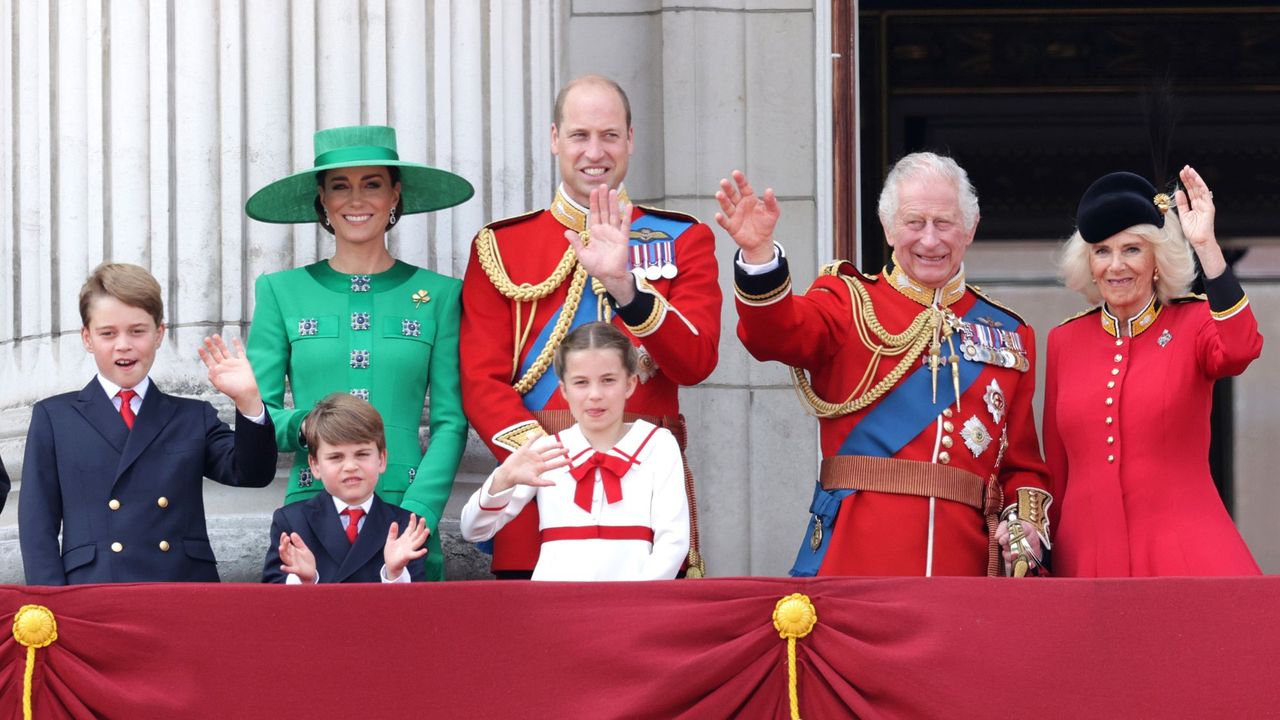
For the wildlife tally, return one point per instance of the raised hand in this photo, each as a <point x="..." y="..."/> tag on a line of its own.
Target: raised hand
<point x="526" y="465"/>
<point x="400" y="550"/>
<point x="296" y="558"/>
<point x="231" y="374"/>
<point x="748" y="218"/>
<point x="605" y="253"/>
<point x="1196" y="214"/>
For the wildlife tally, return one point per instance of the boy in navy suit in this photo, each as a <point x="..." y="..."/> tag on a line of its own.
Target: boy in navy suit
<point x="335" y="536"/>
<point x="118" y="467"/>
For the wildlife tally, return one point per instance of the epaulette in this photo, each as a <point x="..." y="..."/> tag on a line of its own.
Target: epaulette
<point x="846" y="267"/>
<point x="978" y="291"/>
<point x="671" y="214"/>
<point x="504" y="222"/>
<point x="1190" y="298"/>
<point x="1082" y="313"/>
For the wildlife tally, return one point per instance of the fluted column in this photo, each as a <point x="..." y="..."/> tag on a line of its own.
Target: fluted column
<point x="134" y="130"/>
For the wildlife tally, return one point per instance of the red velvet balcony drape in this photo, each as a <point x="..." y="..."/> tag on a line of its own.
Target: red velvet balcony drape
<point x="894" y="648"/>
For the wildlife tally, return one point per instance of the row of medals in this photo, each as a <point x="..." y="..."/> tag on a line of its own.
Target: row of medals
<point x="654" y="260"/>
<point x="974" y="349"/>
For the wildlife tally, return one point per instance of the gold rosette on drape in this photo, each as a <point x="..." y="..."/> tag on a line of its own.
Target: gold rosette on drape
<point x="33" y="627"/>
<point x="794" y="617"/>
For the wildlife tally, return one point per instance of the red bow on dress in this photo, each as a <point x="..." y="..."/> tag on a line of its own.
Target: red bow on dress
<point x="611" y="467"/>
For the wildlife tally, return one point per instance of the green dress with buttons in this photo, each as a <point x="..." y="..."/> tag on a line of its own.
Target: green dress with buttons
<point x="387" y="337"/>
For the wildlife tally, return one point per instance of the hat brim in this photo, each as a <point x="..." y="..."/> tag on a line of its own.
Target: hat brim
<point x="422" y="189"/>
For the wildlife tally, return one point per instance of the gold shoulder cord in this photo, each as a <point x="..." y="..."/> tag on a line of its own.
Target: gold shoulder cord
<point x="487" y="253"/>
<point x="910" y="344"/>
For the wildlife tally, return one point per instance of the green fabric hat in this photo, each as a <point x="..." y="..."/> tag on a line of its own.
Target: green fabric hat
<point x="422" y="188"/>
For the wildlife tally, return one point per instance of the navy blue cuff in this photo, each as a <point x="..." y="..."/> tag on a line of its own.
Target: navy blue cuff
<point x="637" y="311"/>
<point x="1224" y="292"/>
<point x="763" y="284"/>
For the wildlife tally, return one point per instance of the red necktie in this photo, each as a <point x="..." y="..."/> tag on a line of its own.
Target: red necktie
<point x="612" y="468"/>
<point x="126" y="407"/>
<point x="353" y="526"/>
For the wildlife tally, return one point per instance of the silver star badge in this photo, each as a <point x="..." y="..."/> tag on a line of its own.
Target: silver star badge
<point x="975" y="435"/>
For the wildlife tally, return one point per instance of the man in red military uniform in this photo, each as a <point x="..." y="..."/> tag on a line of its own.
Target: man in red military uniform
<point x="922" y="387"/>
<point x="531" y="279"/>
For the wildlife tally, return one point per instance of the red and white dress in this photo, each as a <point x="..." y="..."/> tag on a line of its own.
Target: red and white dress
<point x="635" y="524"/>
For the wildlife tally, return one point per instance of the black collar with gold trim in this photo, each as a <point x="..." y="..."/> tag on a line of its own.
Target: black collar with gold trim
<point x="943" y="297"/>
<point x="571" y="214"/>
<point x="1136" y="325"/>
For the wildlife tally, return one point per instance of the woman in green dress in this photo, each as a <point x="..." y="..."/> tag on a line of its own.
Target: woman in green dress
<point x="363" y="321"/>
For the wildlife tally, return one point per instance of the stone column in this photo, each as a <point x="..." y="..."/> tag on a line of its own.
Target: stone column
<point x="134" y="131"/>
<point x="716" y="86"/>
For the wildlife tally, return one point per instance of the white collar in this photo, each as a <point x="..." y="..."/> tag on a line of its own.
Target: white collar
<point x="113" y="389"/>
<point x="341" y="505"/>
<point x="578" y="448"/>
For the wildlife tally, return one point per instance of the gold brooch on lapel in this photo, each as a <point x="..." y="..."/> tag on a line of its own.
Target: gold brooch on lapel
<point x="420" y="297"/>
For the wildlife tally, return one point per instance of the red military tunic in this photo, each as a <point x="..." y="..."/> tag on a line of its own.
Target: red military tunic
<point x="1126" y="428"/>
<point x="512" y="296"/>
<point x="888" y="533"/>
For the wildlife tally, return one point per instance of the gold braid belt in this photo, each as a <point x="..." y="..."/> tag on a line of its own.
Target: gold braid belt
<point x="487" y="253"/>
<point x="910" y="344"/>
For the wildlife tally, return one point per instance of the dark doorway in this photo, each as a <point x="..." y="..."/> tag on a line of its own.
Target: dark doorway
<point x="1036" y="104"/>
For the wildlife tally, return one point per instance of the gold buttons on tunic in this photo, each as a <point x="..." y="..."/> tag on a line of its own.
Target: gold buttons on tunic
<point x="1111" y="401"/>
<point x="947" y="426"/>
<point x="944" y="457"/>
<point x="114" y="504"/>
<point x="1115" y="371"/>
<point x="1110" y="420"/>
<point x="1111" y="384"/>
<point x="116" y="547"/>
<point x="947" y="441"/>
<point x="1111" y="458"/>
<point x="946" y="412"/>
<point x="164" y="546"/>
<point x="162" y="501"/>
<point x="1119" y="357"/>
<point x="1119" y="343"/>
<point x="1111" y="440"/>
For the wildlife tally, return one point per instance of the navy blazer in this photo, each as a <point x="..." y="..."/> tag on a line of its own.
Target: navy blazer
<point x="129" y="503"/>
<point x="337" y="560"/>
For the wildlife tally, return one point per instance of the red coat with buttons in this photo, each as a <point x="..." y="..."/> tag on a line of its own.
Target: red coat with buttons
<point x="878" y="533"/>
<point x="1126" y="425"/>
<point x="683" y="343"/>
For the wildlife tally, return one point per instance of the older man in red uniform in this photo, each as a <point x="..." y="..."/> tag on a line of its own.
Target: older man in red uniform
<point x="531" y="279"/>
<point x="922" y="387"/>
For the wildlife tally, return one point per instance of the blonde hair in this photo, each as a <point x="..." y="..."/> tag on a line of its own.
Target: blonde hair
<point x="343" y="419"/>
<point x="130" y="284"/>
<point x="1174" y="261"/>
<point x="597" y="335"/>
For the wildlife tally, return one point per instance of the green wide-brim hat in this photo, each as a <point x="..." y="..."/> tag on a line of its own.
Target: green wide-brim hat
<point x="422" y="188"/>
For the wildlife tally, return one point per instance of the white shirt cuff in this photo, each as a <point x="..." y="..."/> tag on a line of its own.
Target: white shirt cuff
<point x="402" y="579"/>
<point x="762" y="268"/>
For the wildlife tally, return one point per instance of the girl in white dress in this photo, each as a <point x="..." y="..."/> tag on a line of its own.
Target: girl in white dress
<point x="611" y="497"/>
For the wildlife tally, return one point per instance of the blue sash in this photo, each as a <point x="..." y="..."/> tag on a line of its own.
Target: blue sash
<point x="537" y="397"/>
<point x="897" y="419"/>
<point x="542" y="391"/>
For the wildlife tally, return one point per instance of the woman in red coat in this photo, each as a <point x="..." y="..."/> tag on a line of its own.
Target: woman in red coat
<point x="1129" y="386"/>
